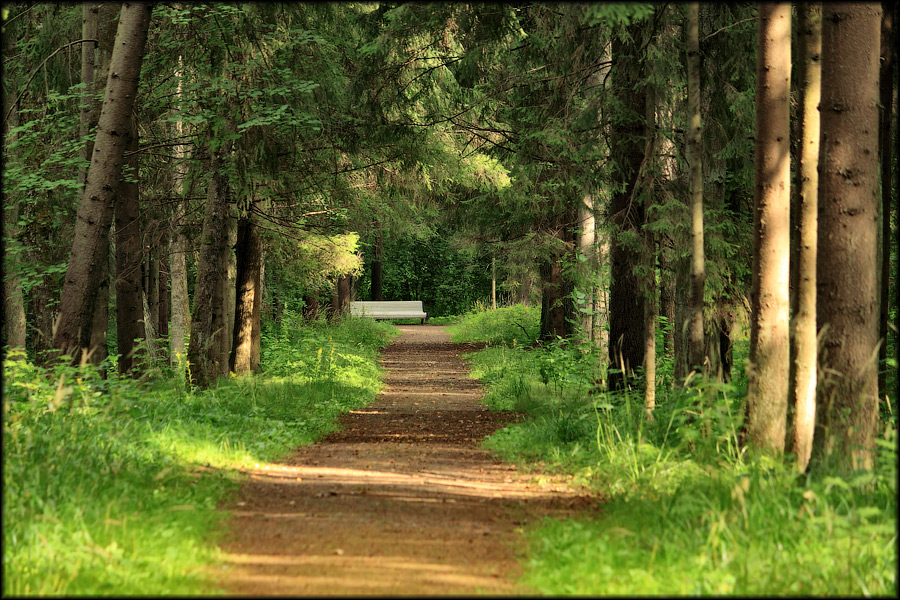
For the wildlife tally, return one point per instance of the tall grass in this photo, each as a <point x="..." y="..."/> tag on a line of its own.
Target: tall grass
<point x="112" y="486"/>
<point x="687" y="510"/>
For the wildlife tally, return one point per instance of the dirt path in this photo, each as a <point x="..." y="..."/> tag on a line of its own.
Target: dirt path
<point x="400" y="501"/>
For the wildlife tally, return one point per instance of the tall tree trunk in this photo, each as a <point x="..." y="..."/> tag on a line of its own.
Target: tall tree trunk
<point x="129" y="305"/>
<point x="178" y="249"/>
<point x="90" y="30"/>
<point x="651" y="311"/>
<point x="557" y="304"/>
<point x="14" y="323"/>
<point x="587" y="248"/>
<point x="95" y="210"/>
<point x="247" y="251"/>
<point x="229" y="293"/>
<point x="767" y="388"/>
<point x="162" y="323"/>
<point x="256" y="332"/>
<point x="846" y="277"/>
<point x="696" y="354"/>
<point x="803" y="349"/>
<point x="886" y="94"/>
<point x="204" y="348"/>
<point x="151" y="281"/>
<point x="629" y="134"/>
<point x="100" y="325"/>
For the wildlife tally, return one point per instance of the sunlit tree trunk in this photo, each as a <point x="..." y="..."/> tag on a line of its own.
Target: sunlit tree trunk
<point x="887" y="160"/>
<point x="178" y="248"/>
<point x="95" y="211"/>
<point x="256" y="332"/>
<point x="696" y="354"/>
<point x="248" y="252"/>
<point x="803" y="349"/>
<point x="14" y="323"/>
<point x="587" y="248"/>
<point x="767" y="388"/>
<point x="846" y="277"/>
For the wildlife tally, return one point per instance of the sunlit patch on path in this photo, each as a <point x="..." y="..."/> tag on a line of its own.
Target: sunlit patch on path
<point x="400" y="501"/>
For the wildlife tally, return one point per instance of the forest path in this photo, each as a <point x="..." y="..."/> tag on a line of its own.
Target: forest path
<point x="400" y="501"/>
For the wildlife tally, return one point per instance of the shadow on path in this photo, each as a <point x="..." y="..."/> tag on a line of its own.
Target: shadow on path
<point x="400" y="501"/>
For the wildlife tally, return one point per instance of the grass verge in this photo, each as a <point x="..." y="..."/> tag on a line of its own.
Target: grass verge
<point x="687" y="510"/>
<point x="108" y="488"/>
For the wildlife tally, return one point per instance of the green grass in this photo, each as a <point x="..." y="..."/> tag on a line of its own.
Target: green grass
<point x="106" y="489"/>
<point x="687" y="510"/>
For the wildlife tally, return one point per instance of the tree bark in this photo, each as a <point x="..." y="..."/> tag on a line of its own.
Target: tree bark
<point x="694" y="151"/>
<point x="886" y="93"/>
<point x="767" y="389"/>
<point x="14" y="323"/>
<point x="129" y="304"/>
<point x="247" y="251"/>
<point x="629" y="133"/>
<point x="256" y="333"/>
<point x="803" y="349"/>
<point x="95" y="210"/>
<point x="181" y="311"/>
<point x="587" y="240"/>
<point x="846" y="276"/>
<point x="204" y="348"/>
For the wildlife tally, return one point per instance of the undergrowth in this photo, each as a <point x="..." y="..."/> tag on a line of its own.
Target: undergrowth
<point x="687" y="510"/>
<point x="112" y="486"/>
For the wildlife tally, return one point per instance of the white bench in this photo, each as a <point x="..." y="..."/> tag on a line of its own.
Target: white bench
<point x="395" y="309"/>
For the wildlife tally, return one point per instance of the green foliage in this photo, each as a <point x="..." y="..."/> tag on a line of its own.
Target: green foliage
<point x="448" y="280"/>
<point x="515" y="325"/>
<point x="113" y="485"/>
<point x="686" y="511"/>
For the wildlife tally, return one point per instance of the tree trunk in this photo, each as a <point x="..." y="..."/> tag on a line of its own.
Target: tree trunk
<point x="14" y="323"/>
<point x="310" y="308"/>
<point x="587" y="248"/>
<point x="129" y="305"/>
<point x="95" y="210"/>
<point x="629" y="133"/>
<point x="178" y="244"/>
<point x="886" y="94"/>
<point x="803" y="349"/>
<point x="694" y="151"/>
<point x="204" y="348"/>
<point x="90" y="30"/>
<point x="229" y="293"/>
<point x="767" y="388"/>
<point x="651" y="311"/>
<point x="343" y="296"/>
<point x="100" y="325"/>
<point x="247" y="251"/>
<point x="256" y="332"/>
<point x="846" y="277"/>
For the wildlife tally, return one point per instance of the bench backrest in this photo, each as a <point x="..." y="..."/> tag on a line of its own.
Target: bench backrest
<point x="373" y="307"/>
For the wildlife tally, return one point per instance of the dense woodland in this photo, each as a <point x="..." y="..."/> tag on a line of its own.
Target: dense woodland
<point x="176" y="175"/>
<point x="699" y="200"/>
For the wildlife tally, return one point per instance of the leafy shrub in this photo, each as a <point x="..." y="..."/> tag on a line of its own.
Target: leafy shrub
<point x="513" y="325"/>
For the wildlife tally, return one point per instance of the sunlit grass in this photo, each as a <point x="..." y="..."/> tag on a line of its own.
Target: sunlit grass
<point x="687" y="511"/>
<point x="107" y="485"/>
